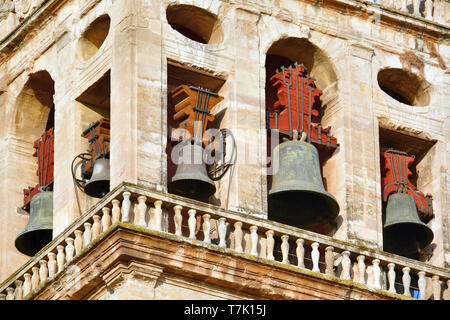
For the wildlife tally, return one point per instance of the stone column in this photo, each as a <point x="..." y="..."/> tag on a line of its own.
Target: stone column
<point x="244" y="118"/>
<point x="137" y="151"/>
<point x="361" y="150"/>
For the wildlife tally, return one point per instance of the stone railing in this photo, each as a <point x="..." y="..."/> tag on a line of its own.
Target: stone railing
<point x="432" y="10"/>
<point x="197" y="223"/>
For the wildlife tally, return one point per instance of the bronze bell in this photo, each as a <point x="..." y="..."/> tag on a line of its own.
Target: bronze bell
<point x="403" y="232"/>
<point x="98" y="184"/>
<point x="191" y="179"/>
<point x="38" y="232"/>
<point x="297" y="196"/>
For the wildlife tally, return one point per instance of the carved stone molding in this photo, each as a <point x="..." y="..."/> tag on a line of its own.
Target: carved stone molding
<point x="23" y="8"/>
<point x="6" y="7"/>
<point x="133" y="270"/>
<point x="129" y="256"/>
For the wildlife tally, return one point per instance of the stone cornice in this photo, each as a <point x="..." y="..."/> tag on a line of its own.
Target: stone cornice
<point x="128" y="251"/>
<point x="387" y="15"/>
<point x="41" y="13"/>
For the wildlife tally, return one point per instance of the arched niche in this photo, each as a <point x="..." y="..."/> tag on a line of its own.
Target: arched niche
<point x="404" y="86"/>
<point x="195" y="23"/>
<point x="32" y="120"/>
<point x="34" y="108"/>
<point x="284" y="53"/>
<point x="93" y="37"/>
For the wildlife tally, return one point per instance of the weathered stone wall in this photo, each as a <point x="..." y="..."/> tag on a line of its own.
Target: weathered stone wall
<point x="353" y="47"/>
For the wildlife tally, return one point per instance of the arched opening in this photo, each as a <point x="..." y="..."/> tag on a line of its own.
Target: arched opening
<point x="90" y="168"/>
<point x="195" y="23"/>
<point x="33" y="127"/>
<point x="407" y="206"/>
<point x="35" y="107"/>
<point x="94" y="37"/>
<point x="299" y="70"/>
<point x="404" y="86"/>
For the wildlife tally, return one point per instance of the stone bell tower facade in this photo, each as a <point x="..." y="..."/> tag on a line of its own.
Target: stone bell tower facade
<point x="97" y="98"/>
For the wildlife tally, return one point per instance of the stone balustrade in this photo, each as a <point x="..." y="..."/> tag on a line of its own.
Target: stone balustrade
<point x="233" y="233"/>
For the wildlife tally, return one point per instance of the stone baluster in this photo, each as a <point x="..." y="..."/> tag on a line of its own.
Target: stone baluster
<point x="270" y="243"/>
<point x="206" y="227"/>
<point x="238" y="236"/>
<point x="141" y="210"/>
<point x="329" y="261"/>
<point x="370" y="278"/>
<point x="391" y="278"/>
<point x="446" y="293"/>
<point x="436" y="287"/>
<point x="254" y="237"/>
<point x="18" y="292"/>
<point x="222" y="233"/>
<point x="35" y="278"/>
<point x="440" y="9"/>
<point x="315" y="256"/>
<point x="60" y="257"/>
<point x="43" y="270"/>
<point x="406" y="279"/>
<point x="52" y="264"/>
<point x="429" y="9"/>
<point x="396" y="4"/>
<point x="178" y="219"/>
<point x="78" y="243"/>
<point x="416" y="7"/>
<point x="9" y="293"/>
<point x="285" y="249"/>
<point x="429" y="288"/>
<point x="96" y="227"/>
<point x="404" y="4"/>
<point x="192" y="223"/>
<point x="26" y="284"/>
<point x="70" y="249"/>
<point x="346" y="264"/>
<point x="376" y="274"/>
<point x="300" y="251"/>
<point x="106" y="218"/>
<point x="126" y="205"/>
<point x="2" y="296"/>
<point x="158" y="215"/>
<point x="422" y="284"/>
<point x="87" y="235"/>
<point x="361" y="269"/>
<point x="115" y="212"/>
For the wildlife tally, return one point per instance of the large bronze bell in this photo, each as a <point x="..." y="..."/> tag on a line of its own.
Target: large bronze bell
<point x="191" y="179"/>
<point x="297" y="196"/>
<point x="38" y="232"/>
<point x="98" y="184"/>
<point x="403" y="232"/>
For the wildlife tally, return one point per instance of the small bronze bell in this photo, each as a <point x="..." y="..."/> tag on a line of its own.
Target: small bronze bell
<point x="38" y="232"/>
<point x="297" y="196"/>
<point x="98" y="184"/>
<point x="403" y="232"/>
<point x="191" y="179"/>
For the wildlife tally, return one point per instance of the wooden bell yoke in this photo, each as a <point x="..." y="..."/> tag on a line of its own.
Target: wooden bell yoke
<point x="297" y="110"/>
<point x="395" y="175"/>
<point x="98" y="134"/>
<point x="193" y="107"/>
<point x="45" y="154"/>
